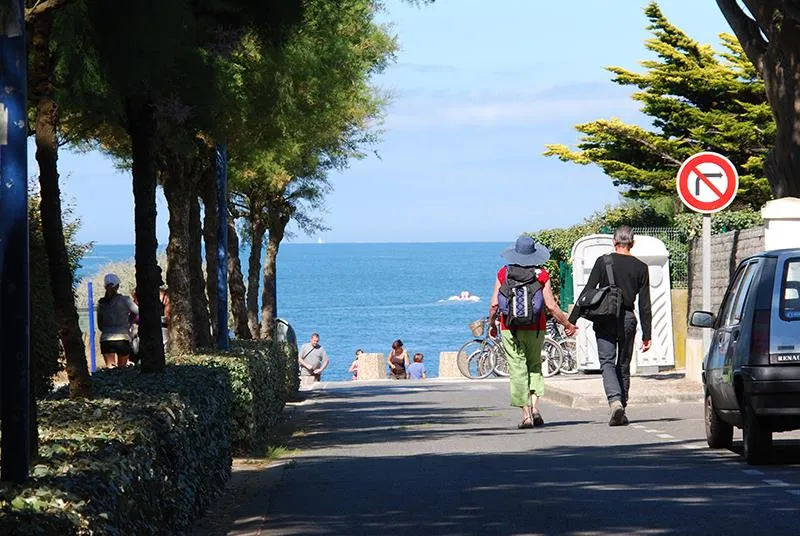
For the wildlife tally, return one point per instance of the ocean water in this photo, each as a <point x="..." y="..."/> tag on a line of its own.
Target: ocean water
<point x="367" y="295"/>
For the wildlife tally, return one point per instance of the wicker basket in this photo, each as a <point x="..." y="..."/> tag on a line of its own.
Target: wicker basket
<point x="477" y="328"/>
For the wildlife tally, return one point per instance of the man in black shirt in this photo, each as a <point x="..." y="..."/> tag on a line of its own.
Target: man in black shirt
<point x="615" y="339"/>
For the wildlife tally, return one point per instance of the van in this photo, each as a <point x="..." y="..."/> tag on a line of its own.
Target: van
<point x="751" y="373"/>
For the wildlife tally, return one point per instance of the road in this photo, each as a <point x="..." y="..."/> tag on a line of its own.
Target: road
<point x="446" y="458"/>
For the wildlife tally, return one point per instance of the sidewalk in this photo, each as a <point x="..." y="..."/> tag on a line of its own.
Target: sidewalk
<point x="586" y="390"/>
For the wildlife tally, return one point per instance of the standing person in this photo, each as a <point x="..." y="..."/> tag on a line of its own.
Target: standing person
<point x="398" y="361"/>
<point x="416" y="370"/>
<point x="615" y="338"/>
<point x="354" y="365"/>
<point x="523" y="343"/>
<point x="114" y="311"/>
<point x="312" y="360"/>
<point x="163" y="297"/>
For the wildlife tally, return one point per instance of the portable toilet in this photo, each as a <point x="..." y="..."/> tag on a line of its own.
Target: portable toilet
<point x="652" y="252"/>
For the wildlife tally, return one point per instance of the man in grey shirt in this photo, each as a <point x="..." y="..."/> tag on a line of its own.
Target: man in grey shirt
<point x="312" y="360"/>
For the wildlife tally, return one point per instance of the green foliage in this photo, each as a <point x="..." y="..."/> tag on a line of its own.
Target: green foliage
<point x="691" y="225"/>
<point x="699" y="100"/>
<point x="45" y="346"/>
<point x="263" y="377"/>
<point x="149" y="452"/>
<point x="143" y="457"/>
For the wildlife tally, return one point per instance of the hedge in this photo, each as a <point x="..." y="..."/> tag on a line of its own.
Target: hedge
<point x="149" y="452"/>
<point x="263" y="378"/>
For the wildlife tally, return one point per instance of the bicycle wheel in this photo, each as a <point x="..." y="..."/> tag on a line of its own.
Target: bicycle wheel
<point x="569" y="365"/>
<point x="500" y="360"/>
<point x="474" y="359"/>
<point x="552" y="356"/>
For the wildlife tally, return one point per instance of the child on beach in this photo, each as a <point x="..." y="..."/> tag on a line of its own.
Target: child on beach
<point x="416" y="370"/>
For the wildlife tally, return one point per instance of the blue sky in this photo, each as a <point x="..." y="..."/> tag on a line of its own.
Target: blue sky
<point x="479" y="88"/>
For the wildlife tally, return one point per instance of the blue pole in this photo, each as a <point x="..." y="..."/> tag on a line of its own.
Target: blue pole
<point x="92" y="351"/>
<point x="15" y="396"/>
<point x="222" y="247"/>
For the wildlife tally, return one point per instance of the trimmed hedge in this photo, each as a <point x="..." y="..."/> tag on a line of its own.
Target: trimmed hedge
<point x="149" y="452"/>
<point x="264" y="376"/>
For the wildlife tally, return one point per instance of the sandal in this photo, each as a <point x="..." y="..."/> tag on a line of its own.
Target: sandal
<point x="537" y="419"/>
<point x="525" y="424"/>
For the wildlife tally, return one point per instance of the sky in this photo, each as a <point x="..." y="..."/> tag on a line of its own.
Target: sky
<point x="479" y="88"/>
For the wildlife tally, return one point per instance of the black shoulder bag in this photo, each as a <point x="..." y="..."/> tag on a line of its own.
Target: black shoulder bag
<point x="602" y="304"/>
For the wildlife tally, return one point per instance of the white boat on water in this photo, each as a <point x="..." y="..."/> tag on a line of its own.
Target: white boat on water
<point x="464" y="296"/>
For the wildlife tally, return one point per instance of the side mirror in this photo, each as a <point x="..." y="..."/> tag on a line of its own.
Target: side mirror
<point x="701" y="319"/>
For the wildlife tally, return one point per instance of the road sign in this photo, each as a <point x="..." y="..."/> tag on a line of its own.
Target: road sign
<point x="707" y="182"/>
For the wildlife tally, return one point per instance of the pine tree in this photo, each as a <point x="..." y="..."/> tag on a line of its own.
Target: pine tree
<point x="699" y="100"/>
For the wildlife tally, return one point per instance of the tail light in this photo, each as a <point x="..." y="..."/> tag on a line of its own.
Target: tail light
<point x="759" y="340"/>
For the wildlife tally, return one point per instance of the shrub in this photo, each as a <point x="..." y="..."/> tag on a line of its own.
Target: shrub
<point x="263" y="376"/>
<point x="691" y="225"/>
<point x="144" y="457"/>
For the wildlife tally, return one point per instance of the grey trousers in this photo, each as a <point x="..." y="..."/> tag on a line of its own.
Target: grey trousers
<point x="615" y="349"/>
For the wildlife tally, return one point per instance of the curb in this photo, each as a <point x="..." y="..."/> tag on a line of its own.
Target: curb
<point x="571" y="399"/>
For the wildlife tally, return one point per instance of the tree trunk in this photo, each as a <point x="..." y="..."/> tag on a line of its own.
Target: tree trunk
<point x="254" y="272"/>
<point x="208" y="191"/>
<point x="177" y="190"/>
<point x="269" y="297"/>
<point x="236" y="285"/>
<point x="202" y="319"/>
<point x="141" y="129"/>
<point x="61" y="276"/>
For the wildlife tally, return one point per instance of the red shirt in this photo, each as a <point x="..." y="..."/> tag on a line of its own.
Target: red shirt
<point x="543" y="278"/>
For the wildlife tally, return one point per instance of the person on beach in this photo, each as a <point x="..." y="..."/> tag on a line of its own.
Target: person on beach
<point x="523" y="343"/>
<point x="398" y="361"/>
<point x="312" y="360"/>
<point x="354" y="365"/>
<point x="114" y="313"/>
<point x="416" y="370"/>
<point x="615" y="338"/>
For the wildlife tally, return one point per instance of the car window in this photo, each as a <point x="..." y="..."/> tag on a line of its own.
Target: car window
<point x="738" y="294"/>
<point x="730" y="297"/>
<point x="790" y="291"/>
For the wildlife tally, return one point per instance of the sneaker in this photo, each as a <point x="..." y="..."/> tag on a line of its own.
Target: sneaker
<point x="624" y="420"/>
<point x="617" y="414"/>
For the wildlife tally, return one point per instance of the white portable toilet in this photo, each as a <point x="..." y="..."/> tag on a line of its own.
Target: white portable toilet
<point x="652" y="252"/>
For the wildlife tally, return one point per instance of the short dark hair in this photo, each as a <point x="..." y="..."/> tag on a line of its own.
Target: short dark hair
<point x="315" y="335"/>
<point x="418" y="357"/>
<point x="397" y="344"/>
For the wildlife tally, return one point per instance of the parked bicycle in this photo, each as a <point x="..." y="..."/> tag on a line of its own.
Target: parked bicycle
<point x="483" y="356"/>
<point x="569" y="361"/>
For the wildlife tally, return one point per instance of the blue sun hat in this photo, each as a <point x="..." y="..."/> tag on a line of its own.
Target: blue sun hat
<point x="526" y="252"/>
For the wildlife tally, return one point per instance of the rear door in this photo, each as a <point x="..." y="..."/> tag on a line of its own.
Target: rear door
<point x="785" y="336"/>
<point x="720" y="364"/>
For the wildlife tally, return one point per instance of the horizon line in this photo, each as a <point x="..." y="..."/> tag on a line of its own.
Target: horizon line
<point x="357" y="243"/>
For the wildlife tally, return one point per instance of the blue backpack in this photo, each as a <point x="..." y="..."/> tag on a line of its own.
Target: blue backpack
<point x="520" y="299"/>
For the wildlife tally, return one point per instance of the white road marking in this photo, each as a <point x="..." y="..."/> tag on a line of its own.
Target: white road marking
<point x="654" y="431"/>
<point x="779" y="483"/>
<point x="696" y="446"/>
<point x="665" y="436"/>
<point x="753" y="472"/>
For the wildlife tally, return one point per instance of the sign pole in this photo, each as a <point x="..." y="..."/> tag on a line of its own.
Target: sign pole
<point x="92" y="350"/>
<point x="706" y="275"/>
<point x="15" y="394"/>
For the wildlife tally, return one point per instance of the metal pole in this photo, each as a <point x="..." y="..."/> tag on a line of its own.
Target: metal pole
<point x="222" y="247"/>
<point x="92" y="350"/>
<point x="14" y="286"/>
<point x="706" y="275"/>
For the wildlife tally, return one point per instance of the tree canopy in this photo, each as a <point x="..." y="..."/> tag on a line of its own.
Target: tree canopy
<point x="698" y="100"/>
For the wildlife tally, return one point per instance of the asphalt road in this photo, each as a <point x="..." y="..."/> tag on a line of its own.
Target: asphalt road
<point x="446" y="458"/>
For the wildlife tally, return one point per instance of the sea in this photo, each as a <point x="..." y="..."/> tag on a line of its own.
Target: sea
<point x="368" y="295"/>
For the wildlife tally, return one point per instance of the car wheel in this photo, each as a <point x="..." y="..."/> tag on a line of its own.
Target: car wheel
<point x="757" y="439"/>
<point x="719" y="434"/>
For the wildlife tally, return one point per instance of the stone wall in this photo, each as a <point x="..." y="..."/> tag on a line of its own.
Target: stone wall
<point x="727" y="250"/>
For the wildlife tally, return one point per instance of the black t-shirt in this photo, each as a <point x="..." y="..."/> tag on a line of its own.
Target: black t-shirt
<point x="632" y="277"/>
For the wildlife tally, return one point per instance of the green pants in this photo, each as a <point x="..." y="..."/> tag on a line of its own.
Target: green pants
<point x="524" y="354"/>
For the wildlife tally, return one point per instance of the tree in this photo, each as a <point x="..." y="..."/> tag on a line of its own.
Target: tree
<point x="770" y="36"/>
<point x="699" y="100"/>
<point x="44" y="109"/>
<point x="323" y="118"/>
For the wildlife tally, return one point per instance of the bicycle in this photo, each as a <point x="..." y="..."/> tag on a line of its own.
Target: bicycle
<point x="484" y="355"/>
<point x="569" y="362"/>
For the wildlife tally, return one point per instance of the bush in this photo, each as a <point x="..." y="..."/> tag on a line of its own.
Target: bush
<point x="144" y="457"/>
<point x="691" y="225"/>
<point x="263" y="378"/>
